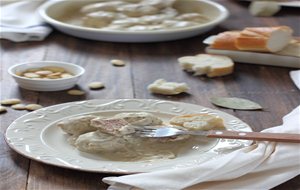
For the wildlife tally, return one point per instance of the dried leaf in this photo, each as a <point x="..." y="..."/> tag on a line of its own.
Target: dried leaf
<point x="235" y="103"/>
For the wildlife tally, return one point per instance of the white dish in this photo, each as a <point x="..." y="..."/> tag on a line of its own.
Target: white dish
<point x="52" y="10"/>
<point x="46" y="84"/>
<point x="255" y="57"/>
<point x="35" y="136"/>
<point x="286" y="3"/>
<point x="258" y="58"/>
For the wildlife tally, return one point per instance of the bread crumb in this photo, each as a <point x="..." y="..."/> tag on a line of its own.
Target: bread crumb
<point x="161" y="86"/>
<point x="264" y="8"/>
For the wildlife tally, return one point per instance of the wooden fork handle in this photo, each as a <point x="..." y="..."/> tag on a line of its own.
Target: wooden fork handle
<point x="277" y="137"/>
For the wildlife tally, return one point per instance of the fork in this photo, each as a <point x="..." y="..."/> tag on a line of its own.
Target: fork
<point x="170" y="131"/>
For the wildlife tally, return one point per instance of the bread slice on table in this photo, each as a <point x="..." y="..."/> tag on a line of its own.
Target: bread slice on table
<point x="211" y="65"/>
<point x="198" y="122"/>
<point x="161" y="86"/>
<point x="260" y="39"/>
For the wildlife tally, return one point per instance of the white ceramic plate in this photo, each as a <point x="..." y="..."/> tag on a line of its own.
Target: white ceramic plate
<point x="52" y="11"/>
<point x="35" y="136"/>
<point x="258" y="58"/>
<point x="291" y="3"/>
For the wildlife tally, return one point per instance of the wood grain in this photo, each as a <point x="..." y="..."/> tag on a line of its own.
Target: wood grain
<point x="269" y="86"/>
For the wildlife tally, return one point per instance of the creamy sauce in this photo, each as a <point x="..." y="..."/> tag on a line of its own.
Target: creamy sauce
<point x="99" y="136"/>
<point x="143" y="15"/>
<point x="150" y="149"/>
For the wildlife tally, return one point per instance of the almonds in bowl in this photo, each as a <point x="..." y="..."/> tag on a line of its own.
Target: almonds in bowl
<point x="46" y="75"/>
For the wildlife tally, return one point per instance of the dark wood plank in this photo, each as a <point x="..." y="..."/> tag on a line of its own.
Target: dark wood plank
<point x="13" y="166"/>
<point x="50" y="177"/>
<point x="118" y="84"/>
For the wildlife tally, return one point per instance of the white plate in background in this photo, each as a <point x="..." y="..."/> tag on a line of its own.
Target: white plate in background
<point x="52" y="10"/>
<point x="285" y="3"/>
<point x="36" y="136"/>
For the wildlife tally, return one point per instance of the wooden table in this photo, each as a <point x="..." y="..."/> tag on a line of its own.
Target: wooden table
<point x="269" y="86"/>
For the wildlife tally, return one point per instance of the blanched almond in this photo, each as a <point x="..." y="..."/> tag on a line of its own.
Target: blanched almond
<point x="32" y="107"/>
<point x="117" y="62"/>
<point x="43" y="72"/>
<point x="18" y="107"/>
<point x="76" y="92"/>
<point x="10" y="101"/>
<point x="31" y="75"/>
<point x="96" y="85"/>
<point x="66" y="75"/>
<point x="54" y="75"/>
<point x="3" y="109"/>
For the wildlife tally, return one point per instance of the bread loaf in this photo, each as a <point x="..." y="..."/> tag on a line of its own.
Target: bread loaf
<point x="264" y="39"/>
<point x="261" y="39"/>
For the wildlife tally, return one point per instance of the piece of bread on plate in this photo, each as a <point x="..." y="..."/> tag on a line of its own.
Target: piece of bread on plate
<point x="260" y="39"/>
<point x="201" y="121"/>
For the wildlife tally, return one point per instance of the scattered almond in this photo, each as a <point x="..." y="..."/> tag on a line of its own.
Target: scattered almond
<point x="96" y="85"/>
<point x="32" y="107"/>
<point x="3" y="109"/>
<point x="76" y="92"/>
<point x="18" y="107"/>
<point x="117" y="62"/>
<point x="10" y="101"/>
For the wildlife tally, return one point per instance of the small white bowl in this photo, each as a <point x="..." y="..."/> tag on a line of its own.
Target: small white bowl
<point x="46" y="84"/>
<point x="52" y="11"/>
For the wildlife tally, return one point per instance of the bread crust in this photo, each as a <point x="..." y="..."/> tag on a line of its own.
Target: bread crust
<point x="257" y="38"/>
<point x="226" y="40"/>
<point x="217" y="72"/>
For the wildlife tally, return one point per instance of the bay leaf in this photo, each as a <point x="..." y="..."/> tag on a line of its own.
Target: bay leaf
<point x="235" y="103"/>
